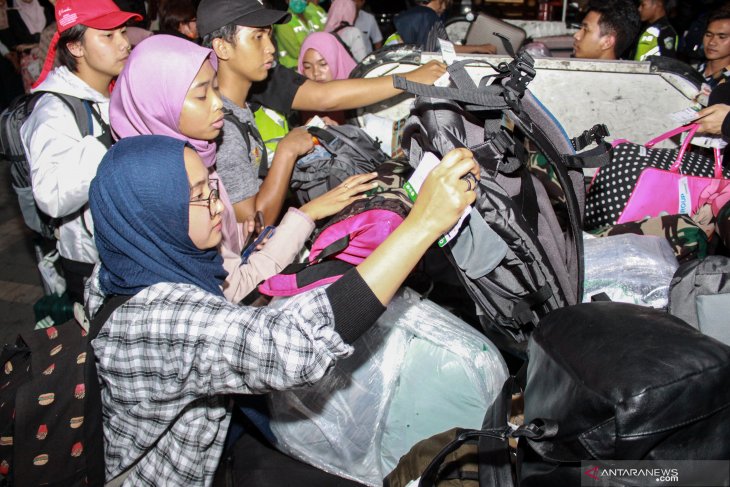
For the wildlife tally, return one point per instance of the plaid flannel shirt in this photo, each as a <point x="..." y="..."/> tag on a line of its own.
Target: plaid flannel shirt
<point x="170" y="355"/>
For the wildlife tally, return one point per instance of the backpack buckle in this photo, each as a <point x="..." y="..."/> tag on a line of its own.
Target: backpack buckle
<point x="595" y="134"/>
<point x="522" y="71"/>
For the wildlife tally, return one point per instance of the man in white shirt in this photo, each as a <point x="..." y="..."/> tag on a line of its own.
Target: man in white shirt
<point x="367" y="24"/>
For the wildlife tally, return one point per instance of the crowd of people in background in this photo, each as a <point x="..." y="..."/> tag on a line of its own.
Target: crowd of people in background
<point x="694" y="32"/>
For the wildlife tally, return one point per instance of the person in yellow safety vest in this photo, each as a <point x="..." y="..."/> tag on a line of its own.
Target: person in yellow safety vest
<point x="289" y="36"/>
<point x="316" y="15"/>
<point x="659" y="38"/>
<point x="393" y="39"/>
<point x="272" y="126"/>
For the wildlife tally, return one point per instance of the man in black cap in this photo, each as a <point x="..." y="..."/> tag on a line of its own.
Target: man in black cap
<point x="239" y="31"/>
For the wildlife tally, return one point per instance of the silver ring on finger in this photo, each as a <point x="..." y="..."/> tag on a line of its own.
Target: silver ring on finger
<point x="471" y="181"/>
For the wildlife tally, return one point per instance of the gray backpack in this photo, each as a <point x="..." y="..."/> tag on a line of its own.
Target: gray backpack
<point x="700" y="295"/>
<point x="341" y="152"/>
<point x="11" y="149"/>
<point x="536" y="213"/>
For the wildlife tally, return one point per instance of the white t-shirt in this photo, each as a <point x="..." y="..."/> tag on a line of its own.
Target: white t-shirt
<point x="355" y="42"/>
<point x="369" y="27"/>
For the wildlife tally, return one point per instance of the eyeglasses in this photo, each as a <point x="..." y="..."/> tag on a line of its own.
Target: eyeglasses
<point x="212" y="200"/>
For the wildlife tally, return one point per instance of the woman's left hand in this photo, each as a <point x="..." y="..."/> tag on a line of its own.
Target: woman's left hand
<point x="336" y="199"/>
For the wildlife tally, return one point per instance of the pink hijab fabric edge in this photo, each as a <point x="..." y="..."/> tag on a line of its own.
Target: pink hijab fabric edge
<point x="332" y="50"/>
<point x="340" y="10"/>
<point x="148" y="99"/>
<point x="149" y="93"/>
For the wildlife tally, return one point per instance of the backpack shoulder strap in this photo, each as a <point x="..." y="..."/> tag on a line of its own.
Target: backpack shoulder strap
<point x="247" y="131"/>
<point x="75" y="104"/>
<point x="84" y="114"/>
<point x="102" y="315"/>
<point x="490" y="96"/>
<point x="93" y="421"/>
<point x="342" y="25"/>
<point x="228" y="115"/>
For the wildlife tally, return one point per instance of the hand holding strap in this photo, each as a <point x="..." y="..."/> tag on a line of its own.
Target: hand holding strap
<point x="692" y="130"/>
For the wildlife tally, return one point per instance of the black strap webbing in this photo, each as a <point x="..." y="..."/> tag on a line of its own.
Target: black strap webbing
<point x="490" y="97"/>
<point x="522" y="312"/>
<point x="331" y="250"/>
<point x="110" y="305"/>
<point x="94" y="445"/>
<point x="247" y="131"/>
<point x="596" y="157"/>
<point x="528" y="201"/>
<point x="595" y="134"/>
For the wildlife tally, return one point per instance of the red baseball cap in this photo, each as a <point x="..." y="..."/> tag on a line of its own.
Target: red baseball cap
<point x="97" y="14"/>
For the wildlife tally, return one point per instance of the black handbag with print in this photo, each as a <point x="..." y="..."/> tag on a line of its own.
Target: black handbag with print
<point x="50" y="406"/>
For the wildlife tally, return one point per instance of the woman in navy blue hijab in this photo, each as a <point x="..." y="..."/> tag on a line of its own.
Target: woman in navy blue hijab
<point x="142" y="213"/>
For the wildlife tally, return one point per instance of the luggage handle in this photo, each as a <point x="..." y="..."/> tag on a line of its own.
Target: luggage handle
<point x="692" y="128"/>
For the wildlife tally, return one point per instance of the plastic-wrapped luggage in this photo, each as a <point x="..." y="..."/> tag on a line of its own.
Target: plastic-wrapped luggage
<point x="418" y="371"/>
<point x="629" y="268"/>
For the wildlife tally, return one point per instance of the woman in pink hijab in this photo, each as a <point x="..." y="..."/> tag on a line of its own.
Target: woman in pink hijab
<point x="324" y="58"/>
<point x="169" y="87"/>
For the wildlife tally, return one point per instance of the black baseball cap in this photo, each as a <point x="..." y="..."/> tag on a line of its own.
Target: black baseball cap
<point x="214" y="14"/>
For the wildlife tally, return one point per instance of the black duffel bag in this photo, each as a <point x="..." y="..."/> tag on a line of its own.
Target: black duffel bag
<point x="623" y="382"/>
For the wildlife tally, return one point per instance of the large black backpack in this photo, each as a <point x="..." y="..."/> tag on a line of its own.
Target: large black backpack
<point x="11" y="149"/>
<point x="537" y="213"/>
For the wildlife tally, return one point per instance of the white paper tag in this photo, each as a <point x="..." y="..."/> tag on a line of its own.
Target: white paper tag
<point x="684" y="116"/>
<point x="444" y="80"/>
<point x="413" y="186"/>
<point x="642" y="151"/>
<point x="703" y="97"/>
<point x="317" y="122"/>
<point x="708" y="141"/>
<point x="80" y="316"/>
<point x="447" y="51"/>
<point x="685" y="198"/>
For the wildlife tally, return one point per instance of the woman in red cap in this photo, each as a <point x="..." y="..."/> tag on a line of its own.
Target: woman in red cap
<point x="92" y="47"/>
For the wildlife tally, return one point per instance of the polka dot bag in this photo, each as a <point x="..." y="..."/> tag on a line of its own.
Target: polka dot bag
<point x="613" y="184"/>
